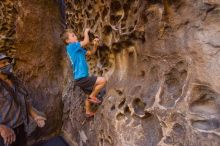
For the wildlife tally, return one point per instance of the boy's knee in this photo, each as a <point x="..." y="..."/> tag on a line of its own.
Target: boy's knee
<point x="102" y="80"/>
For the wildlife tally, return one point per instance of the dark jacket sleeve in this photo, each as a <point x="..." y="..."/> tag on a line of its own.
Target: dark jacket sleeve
<point x="3" y="101"/>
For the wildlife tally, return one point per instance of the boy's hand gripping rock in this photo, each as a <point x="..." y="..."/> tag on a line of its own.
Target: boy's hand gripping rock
<point x="96" y="41"/>
<point x="87" y="30"/>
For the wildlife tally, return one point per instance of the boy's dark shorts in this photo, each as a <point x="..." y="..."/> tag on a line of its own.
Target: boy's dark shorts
<point x="86" y="84"/>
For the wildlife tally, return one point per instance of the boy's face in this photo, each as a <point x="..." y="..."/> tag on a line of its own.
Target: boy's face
<point x="72" y="38"/>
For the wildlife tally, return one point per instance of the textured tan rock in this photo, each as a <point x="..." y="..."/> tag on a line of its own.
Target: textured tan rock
<point x="7" y="26"/>
<point x="161" y="59"/>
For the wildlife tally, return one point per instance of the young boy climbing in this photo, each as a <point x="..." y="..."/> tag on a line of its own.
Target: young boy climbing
<point x="91" y="85"/>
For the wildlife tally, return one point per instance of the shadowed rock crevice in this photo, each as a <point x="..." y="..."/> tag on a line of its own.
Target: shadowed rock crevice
<point x="206" y="124"/>
<point x="174" y="82"/>
<point x="205" y="101"/>
<point x="138" y="106"/>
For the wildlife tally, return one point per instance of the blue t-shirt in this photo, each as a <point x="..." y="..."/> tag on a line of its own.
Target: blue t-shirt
<point x="77" y="57"/>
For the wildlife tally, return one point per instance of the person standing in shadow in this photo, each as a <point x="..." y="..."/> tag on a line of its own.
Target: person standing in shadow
<point x="15" y="107"/>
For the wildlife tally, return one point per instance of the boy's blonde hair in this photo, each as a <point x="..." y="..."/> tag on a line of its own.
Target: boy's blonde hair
<point x="65" y="36"/>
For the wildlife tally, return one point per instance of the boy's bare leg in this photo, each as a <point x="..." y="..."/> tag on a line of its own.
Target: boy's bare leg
<point x="100" y="83"/>
<point x="88" y="107"/>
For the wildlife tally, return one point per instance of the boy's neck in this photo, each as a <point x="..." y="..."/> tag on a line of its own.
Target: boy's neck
<point x="72" y="42"/>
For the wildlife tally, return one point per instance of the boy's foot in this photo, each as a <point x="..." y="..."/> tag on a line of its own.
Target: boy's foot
<point x="90" y="114"/>
<point x="94" y="100"/>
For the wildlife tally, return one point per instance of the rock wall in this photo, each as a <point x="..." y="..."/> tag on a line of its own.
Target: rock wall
<point x="161" y="59"/>
<point x="40" y="59"/>
<point x="8" y="14"/>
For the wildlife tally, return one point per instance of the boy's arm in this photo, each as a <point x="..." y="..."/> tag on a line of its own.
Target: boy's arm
<point x="86" y="38"/>
<point x="91" y="52"/>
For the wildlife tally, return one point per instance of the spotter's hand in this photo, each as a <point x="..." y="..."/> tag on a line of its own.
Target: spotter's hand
<point x="40" y="120"/>
<point x="7" y="134"/>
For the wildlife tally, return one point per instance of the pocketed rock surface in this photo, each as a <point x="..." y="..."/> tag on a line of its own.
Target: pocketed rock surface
<point x="161" y="59"/>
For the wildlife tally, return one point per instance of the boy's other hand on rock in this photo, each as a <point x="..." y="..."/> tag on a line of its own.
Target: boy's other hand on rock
<point x="87" y="30"/>
<point x="96" y="41"/>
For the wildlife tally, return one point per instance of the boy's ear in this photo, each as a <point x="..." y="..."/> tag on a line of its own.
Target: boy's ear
<point x="66" y="41"/>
